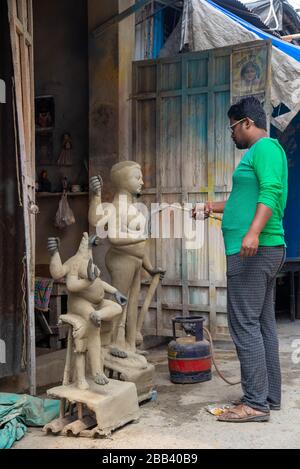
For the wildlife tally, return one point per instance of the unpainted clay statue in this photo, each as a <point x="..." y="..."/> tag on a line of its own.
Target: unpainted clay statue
<point x="87" y="306"/>
<point x="127" y="254"/>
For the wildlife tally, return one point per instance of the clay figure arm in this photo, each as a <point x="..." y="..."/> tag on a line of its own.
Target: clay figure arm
<point x="92" y="271"/>
<point x="96" y="218"/>
<point x="150" y="269"/>
<point x="120" y="298"/>
<point x="109" y="288"/>
<point x="126" y="241"/>
<point x="74" y="283"/>
<point x="57" y="269"/>
<point x="96" y="214"/>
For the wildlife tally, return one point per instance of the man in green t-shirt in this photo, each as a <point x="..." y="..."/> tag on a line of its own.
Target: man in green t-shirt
<point x="255" y="251"/>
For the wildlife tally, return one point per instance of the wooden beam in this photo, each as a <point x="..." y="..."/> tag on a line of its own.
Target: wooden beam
<point x="121" y="16"/>
<point x="290" y="37"/>
<point x="177" y="5"/>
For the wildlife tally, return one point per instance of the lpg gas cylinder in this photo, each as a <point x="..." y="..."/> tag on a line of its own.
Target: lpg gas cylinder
<point x="189" y="357"/>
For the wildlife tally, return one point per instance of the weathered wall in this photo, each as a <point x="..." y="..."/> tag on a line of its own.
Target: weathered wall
<point x="126" y="56"/>
<point x="104" y="101"/>
<point x="70" y="236"/>
<point x="103" y="83"/>
<point x="110" y="69"/>
<point x="61" y="70"/>
<point x="12" y="222"/>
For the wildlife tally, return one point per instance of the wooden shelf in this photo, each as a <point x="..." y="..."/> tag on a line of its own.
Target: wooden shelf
<point x="59" y="194"/>
<point x="42" y="165"/>
<point x="45" y="130"/>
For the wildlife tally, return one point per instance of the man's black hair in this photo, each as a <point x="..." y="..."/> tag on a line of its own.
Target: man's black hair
<point x="249" y="107"/>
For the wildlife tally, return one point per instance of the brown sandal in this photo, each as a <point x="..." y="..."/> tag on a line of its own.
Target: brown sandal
<point x="243" y="413"/>
<point x="272" y="406"/>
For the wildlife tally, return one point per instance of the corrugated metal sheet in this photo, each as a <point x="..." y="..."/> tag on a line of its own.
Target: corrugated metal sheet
<point x="11" y="223"/>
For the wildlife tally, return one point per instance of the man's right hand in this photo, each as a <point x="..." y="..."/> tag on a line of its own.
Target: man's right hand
<point x="208" y="209"/>
<point x="96" y="184"/>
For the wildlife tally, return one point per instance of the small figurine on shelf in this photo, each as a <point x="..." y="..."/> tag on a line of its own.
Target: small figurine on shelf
<point x="64" y="184"/>
<point x="44" y="183"/>
<point x="65" y="157"/>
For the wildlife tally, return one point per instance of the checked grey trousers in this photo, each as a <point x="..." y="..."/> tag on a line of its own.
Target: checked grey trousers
<point x="252" y="325"/>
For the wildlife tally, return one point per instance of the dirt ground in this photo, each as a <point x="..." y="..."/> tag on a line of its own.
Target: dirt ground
<point x="178" y="418"/>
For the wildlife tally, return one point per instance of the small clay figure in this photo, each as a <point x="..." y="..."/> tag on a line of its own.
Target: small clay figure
<point x="44" y="183"/>
<point x="65" y="157"/>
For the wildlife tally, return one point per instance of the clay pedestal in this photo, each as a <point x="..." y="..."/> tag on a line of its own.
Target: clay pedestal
<point x="134" y="369"/>
<point x="100" y="410"/>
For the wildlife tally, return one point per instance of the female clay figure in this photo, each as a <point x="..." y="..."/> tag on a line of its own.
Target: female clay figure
<point x="127" y="255"/>
<point x="65" y="157"/>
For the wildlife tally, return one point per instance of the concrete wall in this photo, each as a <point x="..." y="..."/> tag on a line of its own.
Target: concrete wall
<point x="110" y="72"/>
<point x="61" y="70"/>
<point x="91" y="81"/>
<point x="104" y="101"/>
<point x="104" y="89"/>
<point x="126" y="56"/>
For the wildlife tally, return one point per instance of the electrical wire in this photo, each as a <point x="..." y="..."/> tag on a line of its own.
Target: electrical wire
<point x="156" y="12"/>
<point x="231" y="383"/>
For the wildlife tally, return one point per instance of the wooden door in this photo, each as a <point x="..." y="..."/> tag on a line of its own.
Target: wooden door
<point x="21" y="29"/>
<point x="183" y="144"/>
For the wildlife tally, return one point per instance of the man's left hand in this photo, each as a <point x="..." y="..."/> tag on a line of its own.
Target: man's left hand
<point x="249" y="245"/>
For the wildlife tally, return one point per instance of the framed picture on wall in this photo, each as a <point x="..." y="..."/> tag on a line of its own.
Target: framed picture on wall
<point x="44" y="126"/>
<point x="249" y="72"/>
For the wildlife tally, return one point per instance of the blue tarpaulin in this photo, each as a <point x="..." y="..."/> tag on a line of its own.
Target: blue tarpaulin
<point x="17" y="412"/>
<point x="289" y="49"/>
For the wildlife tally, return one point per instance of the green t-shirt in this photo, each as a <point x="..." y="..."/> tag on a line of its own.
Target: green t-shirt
<point x="260" y="177"/>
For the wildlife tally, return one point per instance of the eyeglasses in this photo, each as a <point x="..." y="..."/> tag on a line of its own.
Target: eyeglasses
<point x="231" y="127"/>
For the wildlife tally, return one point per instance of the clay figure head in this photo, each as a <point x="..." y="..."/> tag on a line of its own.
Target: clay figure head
<point x="127" y="176"/>
<point x="67" y="141"/>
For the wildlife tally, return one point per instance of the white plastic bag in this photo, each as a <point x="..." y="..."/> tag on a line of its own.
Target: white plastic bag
<point x="64" y="215"/>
